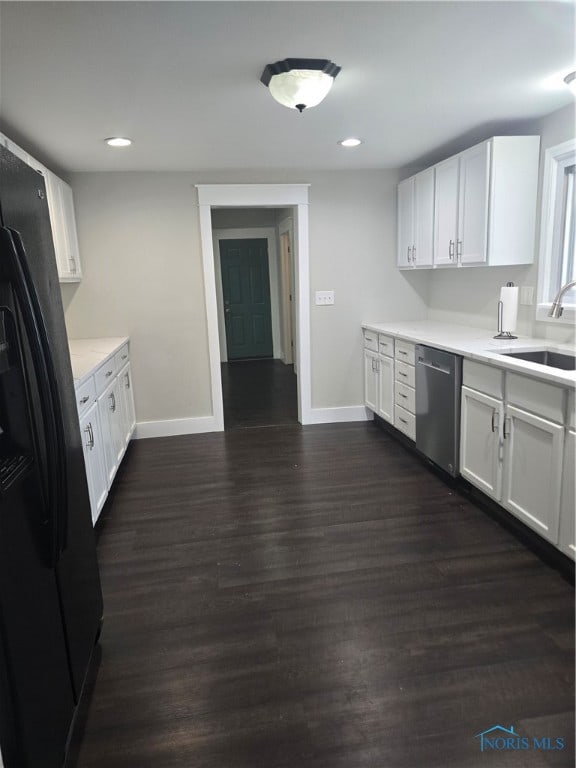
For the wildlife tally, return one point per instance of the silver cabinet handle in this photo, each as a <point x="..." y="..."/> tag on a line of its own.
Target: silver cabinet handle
<point x="506" y="434"/>
<point x="72" y="262"/>
<point x="451" y="249"/>
<point x="124" y="357"/>
<point x="127" y="380"/>
<point x="403" y="374"/>
<point x="459" y="247"/>
<point x="112" y="401"/>
<point x="401" y="352"/>
<point x="413" y="254"/>
<point x="402" y="395"/>
<point x="402" y="420"/>
<point x="90" y="433"/>
<point x="109" y="373"/>
<point x="84" y="399"/>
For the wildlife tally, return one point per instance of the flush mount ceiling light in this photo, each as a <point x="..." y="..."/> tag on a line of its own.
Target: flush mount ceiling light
<point x="300" y="83"/>
<point x="351" y="142"/>
<point x="570" y="81"/>
<point x="118" y="141"/>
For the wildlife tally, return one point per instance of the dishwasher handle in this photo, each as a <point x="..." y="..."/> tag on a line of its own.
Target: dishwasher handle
<point x="434" y="366"/>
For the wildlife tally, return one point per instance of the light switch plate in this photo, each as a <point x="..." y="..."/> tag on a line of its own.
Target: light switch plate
<point x="323" y="298"/>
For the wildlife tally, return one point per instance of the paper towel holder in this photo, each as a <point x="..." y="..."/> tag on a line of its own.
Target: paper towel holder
<point x="503" y="334"/>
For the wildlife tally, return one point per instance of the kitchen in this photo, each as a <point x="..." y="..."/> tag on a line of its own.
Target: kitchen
<point x="141" y="208"/>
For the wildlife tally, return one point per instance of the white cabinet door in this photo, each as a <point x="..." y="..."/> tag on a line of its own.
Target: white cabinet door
<point x="480" y="441"/>
<point x="128" y="411"/>
<point x="405" y="222"/>
<point x="567" y="537"/>
<point x="110" y="412"/>
<point x="474" y="175"/>
<point x="63" y="222"/>
<point x="94" y="460"/>
<point x="423" y="251"/>
<point x="371" y="380"/>
<point x="386" y="388"/>
<point x="446" y="211"/>
<point x="533" y="449"/>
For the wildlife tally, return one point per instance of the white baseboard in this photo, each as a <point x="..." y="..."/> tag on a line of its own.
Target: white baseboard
<point x="172" y="427"/>
<point x="335" y="415"/>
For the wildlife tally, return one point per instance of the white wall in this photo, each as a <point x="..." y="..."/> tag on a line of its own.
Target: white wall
<point x="139" y="240"/>
<point x="470" y="296"/>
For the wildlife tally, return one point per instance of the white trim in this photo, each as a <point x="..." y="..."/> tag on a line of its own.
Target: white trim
<point x="337" y="415"/>
<point x="553" y="157"/>
<point x="252" y="233"/>
<point x="254" y="196"/>
<point x="172" y="427"/>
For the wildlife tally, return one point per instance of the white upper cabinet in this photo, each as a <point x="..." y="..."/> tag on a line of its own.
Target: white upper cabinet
<point x="483" y="207"/>
<point x="62" y="216"/>
<point x="416" y="220"/>
<point x="63" y="221"/>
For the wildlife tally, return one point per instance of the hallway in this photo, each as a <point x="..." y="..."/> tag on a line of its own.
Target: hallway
<point x="259" y="393"/>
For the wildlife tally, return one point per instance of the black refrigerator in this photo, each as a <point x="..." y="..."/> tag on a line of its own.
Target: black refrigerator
<point x="50" y="596"/>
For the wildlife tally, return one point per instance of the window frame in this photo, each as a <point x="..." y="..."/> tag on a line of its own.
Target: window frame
<point x="557" y="158"/>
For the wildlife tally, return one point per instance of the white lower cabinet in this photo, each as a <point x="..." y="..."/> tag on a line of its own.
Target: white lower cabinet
<point x="93" y="448"/>
<point x="379" y="381"/>
<point x="533" y="452"/>
<point x="107" y="421"/>
<point x="371" y="380"/>
<point x="512" y="447"/>
<point x="127" y="403"/>
<point x="566" y="534"/>
<point x="480" y="441"/>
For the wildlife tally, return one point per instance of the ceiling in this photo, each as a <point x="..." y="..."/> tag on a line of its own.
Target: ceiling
<point x="182" y="79"/>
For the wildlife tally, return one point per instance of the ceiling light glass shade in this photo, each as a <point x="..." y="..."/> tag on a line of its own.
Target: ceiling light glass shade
<point x="300" y="83"/>
<point x="570" y="81"/>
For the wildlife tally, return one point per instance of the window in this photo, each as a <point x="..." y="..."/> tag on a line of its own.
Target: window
<point x="558" y="227"/>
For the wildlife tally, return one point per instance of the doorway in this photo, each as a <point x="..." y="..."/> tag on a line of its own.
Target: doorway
<point x="286" y="196"/>
<point x="259" y="386"/>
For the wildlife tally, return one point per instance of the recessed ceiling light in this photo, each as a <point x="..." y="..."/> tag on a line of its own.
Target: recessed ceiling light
<point x="350" y="142"/>
<point x="118" y="141"/>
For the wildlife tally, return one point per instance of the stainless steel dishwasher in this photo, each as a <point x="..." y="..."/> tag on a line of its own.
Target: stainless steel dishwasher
<point x="438" y="382"/>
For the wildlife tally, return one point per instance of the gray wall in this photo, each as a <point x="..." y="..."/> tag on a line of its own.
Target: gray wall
<point x="470" y="296"/>
<point x="140" y="247"/>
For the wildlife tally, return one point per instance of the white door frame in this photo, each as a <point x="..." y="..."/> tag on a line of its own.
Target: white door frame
<point x="259" y="196"/>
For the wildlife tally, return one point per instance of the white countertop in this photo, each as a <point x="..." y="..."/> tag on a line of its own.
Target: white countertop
<point x="88" y="354"/>
<point x="479" y="344"/>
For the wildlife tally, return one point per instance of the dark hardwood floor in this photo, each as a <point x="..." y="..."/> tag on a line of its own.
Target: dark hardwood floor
<point x="314" y="597"/>
<point x="259" y="393"/>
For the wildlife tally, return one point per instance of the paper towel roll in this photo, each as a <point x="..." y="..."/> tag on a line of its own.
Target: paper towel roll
<point x="509" y="299"/>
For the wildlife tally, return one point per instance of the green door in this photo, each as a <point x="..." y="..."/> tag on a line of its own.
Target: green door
<point x="246" y="290"/>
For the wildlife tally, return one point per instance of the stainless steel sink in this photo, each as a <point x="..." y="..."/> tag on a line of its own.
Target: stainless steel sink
<point x="546" y="357"/>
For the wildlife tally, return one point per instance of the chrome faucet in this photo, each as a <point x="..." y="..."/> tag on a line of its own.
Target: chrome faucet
<point x="556" y="308"/>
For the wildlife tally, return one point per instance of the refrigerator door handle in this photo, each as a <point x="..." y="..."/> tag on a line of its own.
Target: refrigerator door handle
<point x="33" y="320"/>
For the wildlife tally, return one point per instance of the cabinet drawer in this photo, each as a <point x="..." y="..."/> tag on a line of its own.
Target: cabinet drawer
<point x="483" y="378"/>
<point x="371" y="340"/>
<point x="85" y="395"/>
<point x="405" y="422"/>
<point x="386" y="345"/>
<point x="405" y="396"/>
<point x="405" y="373"/>
<point x="104" y="375"/>
<point x="122" y="357"/>
<point x="539" y="397"/>
<point x="405" y="352"/>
